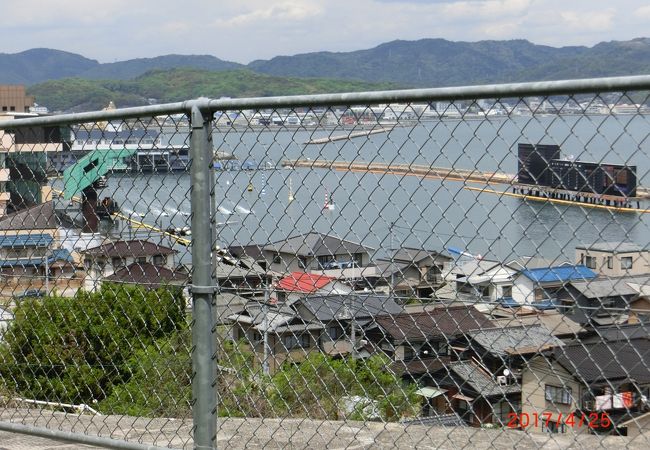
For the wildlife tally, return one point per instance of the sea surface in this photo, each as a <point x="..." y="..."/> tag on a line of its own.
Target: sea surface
<point x="386" y="211"/>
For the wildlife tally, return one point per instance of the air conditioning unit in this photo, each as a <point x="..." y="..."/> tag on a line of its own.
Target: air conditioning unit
<point x="502" y="380"/>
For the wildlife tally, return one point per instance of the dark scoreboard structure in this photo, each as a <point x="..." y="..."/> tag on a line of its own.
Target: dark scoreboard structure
<point x="542" y="165"/>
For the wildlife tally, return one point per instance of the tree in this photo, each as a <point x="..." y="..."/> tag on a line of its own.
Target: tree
<point x="76" y="350"/>
<point x="319" y="385"/>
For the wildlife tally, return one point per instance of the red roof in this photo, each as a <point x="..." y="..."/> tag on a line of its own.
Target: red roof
<point x="304" y="282"/>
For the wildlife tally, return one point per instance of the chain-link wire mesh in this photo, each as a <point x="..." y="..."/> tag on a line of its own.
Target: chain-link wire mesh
<point x="440" y="272"/>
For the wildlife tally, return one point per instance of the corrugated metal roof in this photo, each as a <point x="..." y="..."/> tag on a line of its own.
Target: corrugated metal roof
<point x="56" y="255"/>
<point x="303" y="282"/>
<point x="559" y="274"/>
<point x="25" y="240"/>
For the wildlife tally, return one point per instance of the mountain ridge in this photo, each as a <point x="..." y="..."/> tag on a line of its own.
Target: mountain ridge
<point x="421" y="63"/>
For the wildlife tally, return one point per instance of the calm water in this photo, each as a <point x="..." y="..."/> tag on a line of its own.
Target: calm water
<point x="426" y="213"/>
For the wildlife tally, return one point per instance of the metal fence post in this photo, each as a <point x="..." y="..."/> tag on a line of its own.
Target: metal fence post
<point x="203" y="381"/>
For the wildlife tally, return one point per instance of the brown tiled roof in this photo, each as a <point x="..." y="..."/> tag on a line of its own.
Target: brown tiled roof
<point x="147" y="274"/>
<point x="133" y="248"/>
<point x="39" y="217"/>
<point x="438" y="322"/>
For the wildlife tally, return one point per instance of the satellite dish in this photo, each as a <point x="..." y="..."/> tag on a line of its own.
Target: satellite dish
<point x="506" y="372"/>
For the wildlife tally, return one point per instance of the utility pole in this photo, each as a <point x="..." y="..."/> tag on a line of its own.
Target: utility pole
<point x="265" y="326"/>
<point x="391" y="289"/>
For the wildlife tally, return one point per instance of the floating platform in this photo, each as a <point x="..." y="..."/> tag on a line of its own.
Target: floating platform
<point x="563" y="201"/>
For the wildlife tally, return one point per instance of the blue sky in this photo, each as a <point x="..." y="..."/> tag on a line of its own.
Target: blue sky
<point x="244" y="30"/>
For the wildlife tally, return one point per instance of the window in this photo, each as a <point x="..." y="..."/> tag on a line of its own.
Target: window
<point x="277" y="259"/>
<point x="409" y="353"/>
<point x="141" y="260"/>
<point x="506" y="291"/>
<point x="117" y="262"/>
<point x="557" y="394"/>
<point x="626" y="262"/>
<point x="335" y="332"/>
<point x="292" y="341"/>
<point x="610" y="262"/>
<point x="302" y="262"/>
<point x="160" y="260"/>
<point x="504" y="409"/>
<point x="88" y="263"/>
<point x="590" y="261"/>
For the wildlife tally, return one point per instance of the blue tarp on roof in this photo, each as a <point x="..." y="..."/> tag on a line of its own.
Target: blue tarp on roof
<point x="508" y="302"/>
<point x="55" y="255"/>
<point x="559" y="274"/>
<point x="25" y="240"/>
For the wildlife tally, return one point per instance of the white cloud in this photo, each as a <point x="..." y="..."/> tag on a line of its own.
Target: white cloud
<point x="589" y="20"/>
<point x="250" y="29"/>
<point x="643" y="12"/>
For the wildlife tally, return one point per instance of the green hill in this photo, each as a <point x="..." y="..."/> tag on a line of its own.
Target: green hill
<point x="75" y="94"/>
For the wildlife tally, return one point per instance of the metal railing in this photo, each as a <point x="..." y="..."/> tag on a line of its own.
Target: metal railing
<point x="339" y="270"/>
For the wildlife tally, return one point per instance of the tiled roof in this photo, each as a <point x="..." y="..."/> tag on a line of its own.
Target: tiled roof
<point x="414" y="255"/>
<point x="147" y="274"/>
<point x="25" y="240"/>
<point x="600" y="361"/>
<point x="438" y="322"/>
<point x="476" y="379"/>
<point x="303" y="282"/>
<point x="515" y="340"/>
<point x="39" y="217"/>
<point x="316" y="244"/>
<point x="133" y="248"/>
<point x="559" y="274"/>
<point x="330" y="307"/>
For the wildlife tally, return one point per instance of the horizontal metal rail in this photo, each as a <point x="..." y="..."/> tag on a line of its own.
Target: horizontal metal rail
<point x="75" y="437"/>
<point x="538" y="88"/>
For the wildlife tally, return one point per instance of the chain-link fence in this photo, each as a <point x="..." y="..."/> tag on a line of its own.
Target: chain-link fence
<point x="427" y="268"/>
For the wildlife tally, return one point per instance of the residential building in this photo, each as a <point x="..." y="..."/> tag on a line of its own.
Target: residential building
<point x="14" y="99"/>
<point x="27" y="272"/>
<point x="23" y="163"/>
<point x="308" y="252"/>
<point x="541" y="287"/>
<point x="604" y="300"/>
<point x="421" y="335"/>
<point x="549" y="394"/>
<point x="104" y="260"/>
<point x="482" y="381"/>
<point x="525" y="281"/>
<point x="344" y="318"/>
<point x="409" y="272"/>
<point x="242" y="276"/>
<point x="605" y="375"/>
<point x="28" y="261"/>
<point x="615" y="259"/>
<point x="276" y="334"/>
